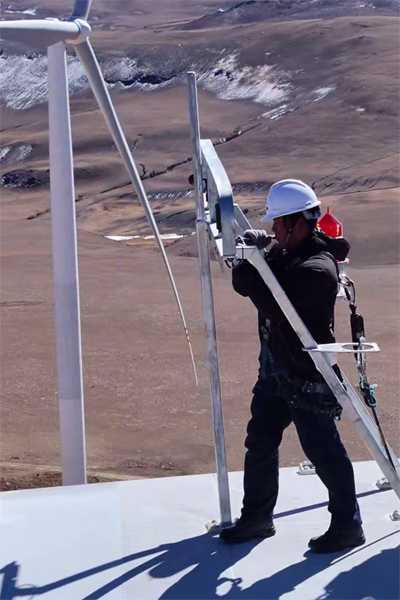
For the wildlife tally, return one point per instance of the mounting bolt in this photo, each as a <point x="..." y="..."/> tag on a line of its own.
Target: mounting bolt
<point x="383" y="484"/>
<point x="306" y="468"/>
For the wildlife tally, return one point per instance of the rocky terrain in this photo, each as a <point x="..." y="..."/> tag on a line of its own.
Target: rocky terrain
<point x="305" y="89"/>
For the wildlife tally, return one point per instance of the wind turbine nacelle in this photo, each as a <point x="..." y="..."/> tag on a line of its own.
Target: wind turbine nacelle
<point x="44" y="32"/>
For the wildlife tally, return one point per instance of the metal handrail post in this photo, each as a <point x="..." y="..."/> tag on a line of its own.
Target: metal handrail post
<point x="208" y="309"/>
<point x="65" y="273"/>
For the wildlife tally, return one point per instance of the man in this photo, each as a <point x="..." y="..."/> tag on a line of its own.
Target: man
<point x="289" y="388"/>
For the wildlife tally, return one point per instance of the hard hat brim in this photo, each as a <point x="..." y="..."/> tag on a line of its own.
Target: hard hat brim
<point x="267" y="218"/>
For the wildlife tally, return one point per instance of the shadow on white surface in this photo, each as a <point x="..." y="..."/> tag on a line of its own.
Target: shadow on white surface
<point x="146" y="540"/>
<point x="207" y="559"/>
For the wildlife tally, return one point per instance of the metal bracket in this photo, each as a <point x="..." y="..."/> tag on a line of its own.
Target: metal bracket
<point x="341" y="265"/>
<point x="218" y="200"/>
<point x="243" y="251"/>
<point x="306" y="468"/>
<point x="216" y="241"/>
<point x="383" y="484"/>
<point x="353" y="348"/>
<point x="214" y="527"/>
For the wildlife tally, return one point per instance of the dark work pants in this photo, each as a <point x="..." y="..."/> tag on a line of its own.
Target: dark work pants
<point x="321" y="443"/>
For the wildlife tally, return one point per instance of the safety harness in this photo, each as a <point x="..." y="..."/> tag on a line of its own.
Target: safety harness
<point x="358" y="337"/>
<point x="313" y="397"/>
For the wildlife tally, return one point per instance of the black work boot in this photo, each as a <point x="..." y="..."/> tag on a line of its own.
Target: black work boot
<point x="247" y="529"/>
<point x="334" y="541"/>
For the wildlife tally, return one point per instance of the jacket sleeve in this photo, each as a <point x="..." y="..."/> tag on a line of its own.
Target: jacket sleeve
<point x="244" y="278"/>
<point x="309" y="286"/>
<point x="247" y="282"/>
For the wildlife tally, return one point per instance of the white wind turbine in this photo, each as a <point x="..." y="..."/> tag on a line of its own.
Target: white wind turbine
<point x="55" y="34"/>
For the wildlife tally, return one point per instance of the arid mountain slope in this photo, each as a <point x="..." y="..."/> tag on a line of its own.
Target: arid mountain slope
<point x="281" y="95"/>
<point x="307" y="98"/>
<point x="255" y="11"/>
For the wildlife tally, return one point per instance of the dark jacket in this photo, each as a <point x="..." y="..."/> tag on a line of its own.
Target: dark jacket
<point x="309" y="276"/>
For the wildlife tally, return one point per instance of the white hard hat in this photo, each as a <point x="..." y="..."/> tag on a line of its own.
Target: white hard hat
<point x="287" y="197"/>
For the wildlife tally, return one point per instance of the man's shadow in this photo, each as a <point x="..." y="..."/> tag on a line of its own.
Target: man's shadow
<point x="209" y="558"/>
<point x="377" y="579"/>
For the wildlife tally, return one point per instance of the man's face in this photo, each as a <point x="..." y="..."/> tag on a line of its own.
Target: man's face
<point x="280" y="231"/>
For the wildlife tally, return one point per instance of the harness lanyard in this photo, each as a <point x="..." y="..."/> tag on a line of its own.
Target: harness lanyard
<point x="358" y="337"/>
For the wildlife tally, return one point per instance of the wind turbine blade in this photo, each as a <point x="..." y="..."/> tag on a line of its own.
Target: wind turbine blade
<point x="92" y="68"/>
<point x="47" y="32"/>
<point x="81" y="9"/>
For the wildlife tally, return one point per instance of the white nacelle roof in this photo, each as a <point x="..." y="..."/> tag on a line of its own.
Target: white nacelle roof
<point x="146" y="539"/>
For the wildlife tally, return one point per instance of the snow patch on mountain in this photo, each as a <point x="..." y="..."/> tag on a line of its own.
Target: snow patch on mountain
<point x="264" y="84"/>
<point x="24" y="83"/>
<point x="3" y="152"/>
<point x="26" y="11"/>
<point x="320" y="93"/>
<point x="14" y="154"/>
<point x="24" y="79"/>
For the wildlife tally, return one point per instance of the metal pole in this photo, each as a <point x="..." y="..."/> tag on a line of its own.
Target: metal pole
<point x="65" y="273"/>
<point x="208" y="309"/>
